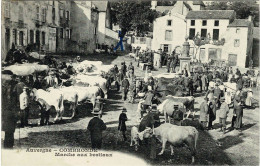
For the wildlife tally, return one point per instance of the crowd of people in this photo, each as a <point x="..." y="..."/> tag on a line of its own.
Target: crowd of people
<point x="16" y="93"/>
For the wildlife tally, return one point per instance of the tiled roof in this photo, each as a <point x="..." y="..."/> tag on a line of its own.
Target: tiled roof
<point x="101" y="5"/>
<point x="198" y="3"/>
<point x="240" y="23"/>
<point x="210" y="14"/>
<point x="164" y="9"/>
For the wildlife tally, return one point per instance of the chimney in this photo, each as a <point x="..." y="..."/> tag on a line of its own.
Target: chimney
<point x="249" y="18"/>
<point x="153" y="5"/>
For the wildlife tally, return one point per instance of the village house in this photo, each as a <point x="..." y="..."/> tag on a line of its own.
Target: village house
<point x="56" y="26"/>
<point x="169" y="31"/>
<point x="230" y="39"/>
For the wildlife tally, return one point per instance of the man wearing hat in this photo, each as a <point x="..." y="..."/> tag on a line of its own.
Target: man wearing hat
<point x="204" y="113"/>
<point x="122" y="125"/>
<point x="9" y="111"/>
<point x="24" y="107"/>
<point x="96" y="126"/>
<point x="125" y="88"/>
<point x="99" y="105"/>
<point x="223" y="112"/>
<point x="217" y="93"/>
<point x="19" y="87"/>
<point x="52" y="79"/>
<point x="148" y="99"/>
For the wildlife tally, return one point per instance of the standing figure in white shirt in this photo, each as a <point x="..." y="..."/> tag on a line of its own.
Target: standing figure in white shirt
<point x="24" y="107"/>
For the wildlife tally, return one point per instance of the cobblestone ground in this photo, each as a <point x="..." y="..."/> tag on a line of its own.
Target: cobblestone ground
<point x="232" y="148"/>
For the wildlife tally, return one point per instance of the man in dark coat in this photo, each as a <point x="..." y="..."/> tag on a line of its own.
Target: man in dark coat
<point x="168" y="65"/>
<point x="238" y="110"/>
<point x="122" y="125"/>
<point x="210" y="77"/>
<point x="175" y="62"/>
<point x="9" y="111"/>
<point x="238" y="72"/>
<point x="212" y="114"/>
<point x="239" y="83"/>
<point x="217" y="93"/>
<point x="19" y="86"/>
<point x="190" y="86"/>
<point x="96" y="126"/>
<point x="125" y="88"/>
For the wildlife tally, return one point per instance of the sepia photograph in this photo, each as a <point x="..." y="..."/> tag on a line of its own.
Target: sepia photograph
<point x="129" y="82"/>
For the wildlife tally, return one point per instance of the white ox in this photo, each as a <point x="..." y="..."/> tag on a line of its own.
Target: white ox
<point x="26" y="68"/>
<point x="177" y="135"/>
<point x="186" y="102"/>
<point x="85" y="80"/>
<point x="82" y="67"/>
<point x="69" y="95"/>
<point x="167" y="75"/>
<point x="213" y="85"/>
<point x="51" y="98"/>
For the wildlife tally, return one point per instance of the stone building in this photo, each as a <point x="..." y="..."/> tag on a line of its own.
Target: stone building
<point x="56" y="26"/>
<point x="217" y="25"/>
<point x="169" y="30"/>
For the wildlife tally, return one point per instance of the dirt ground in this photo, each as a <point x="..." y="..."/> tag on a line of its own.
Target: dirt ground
<point x="214" y="148"/>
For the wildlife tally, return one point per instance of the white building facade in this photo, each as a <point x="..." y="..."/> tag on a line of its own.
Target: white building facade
<point x="216" y="26"/>
<point x="169" y="32"/>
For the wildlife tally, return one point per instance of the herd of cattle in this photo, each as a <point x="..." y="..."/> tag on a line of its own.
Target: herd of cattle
<point x="91" y="79"/>
<point x="86" y="84"/>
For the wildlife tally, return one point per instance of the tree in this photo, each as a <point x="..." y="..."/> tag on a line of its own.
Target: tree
<point x="243" y="9"/>
<point x="199" y="41"/>
<point x="133" y="16"/>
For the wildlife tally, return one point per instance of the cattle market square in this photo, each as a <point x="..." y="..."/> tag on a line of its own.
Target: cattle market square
<point x="165" y="105"/>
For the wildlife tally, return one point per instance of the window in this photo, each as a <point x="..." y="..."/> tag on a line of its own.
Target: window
<point x="192" y="33"/>
<point x="43" y="38"/>
<point x="70" y="33"/>
<point x="7" y="10"/>
<point x="21" y="38"/>
<point x="38" y="13"/>
<point x="232" y="59"/>
<point x="165" y="48"/>
<point x="31" y="36"/>
<point x="192" y="22"/>
<point x="237" y="30"/>
<point x="216" y="23"/>
<point x="215" y="34"/>
<point x="168" y="35"/>
<point x="20" y="17"/>
<point x="15" y="36"/>
<point x="169" y="22"/>
<point x="204" y="22"/>
<point x="43" y="15"/>
<point x="95" y="31"/>
<point x="53" y="13"/>
<point x="61" y="13"/>
<point x="236" y="43"/>
<point x="61" y="33"/>
<point x="203" y="33"/>
<point x="67" y="33"/>
<point x="67" y="15"/>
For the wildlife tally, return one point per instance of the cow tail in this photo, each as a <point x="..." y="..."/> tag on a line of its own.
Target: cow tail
<point x="76" y="100"/>
<point x="61" y="105"/>
<point x="196" y="136"/>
